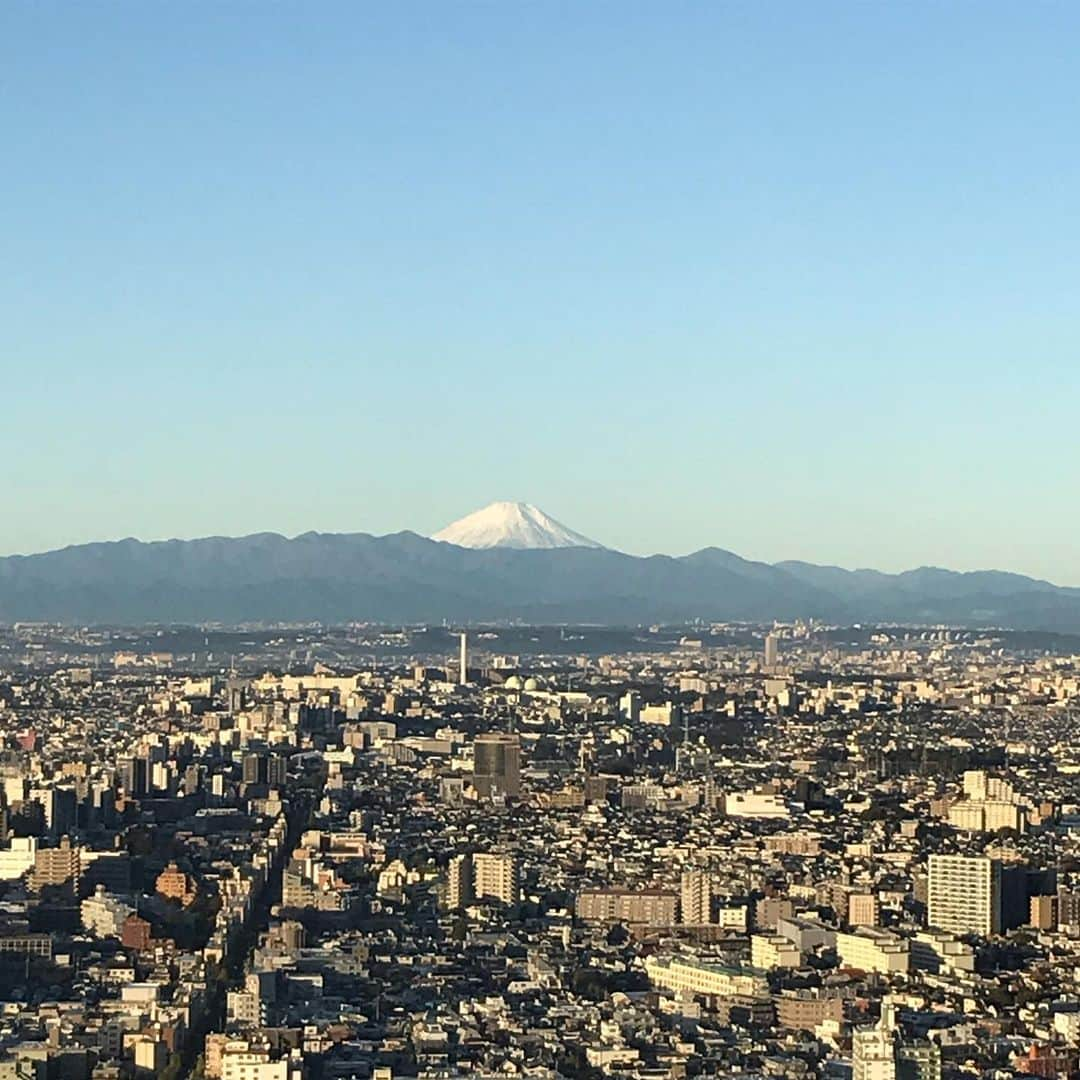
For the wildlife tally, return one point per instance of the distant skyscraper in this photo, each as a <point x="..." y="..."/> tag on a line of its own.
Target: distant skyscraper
<point x="964" y="894"/>
<point x="277" y="768"/>
<point x="772" y="650"/>
<point x="234" y="689"/>
<point x="134" y="776"/>
<point x="463" y="660"/>
<point x="497" y="765"/>
<point x="696" y="898"/>
<point x="254" y="768"/>
<point x="630" y="706"/>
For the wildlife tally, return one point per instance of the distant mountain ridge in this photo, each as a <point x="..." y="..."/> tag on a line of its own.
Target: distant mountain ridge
<point x="403" y="577"/>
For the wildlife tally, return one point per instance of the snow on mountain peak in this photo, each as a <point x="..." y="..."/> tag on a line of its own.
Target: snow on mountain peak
<point x="511" y="525"/>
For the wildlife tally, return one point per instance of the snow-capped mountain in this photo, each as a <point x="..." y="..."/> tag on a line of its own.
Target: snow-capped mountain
<point x="511" y="525"/>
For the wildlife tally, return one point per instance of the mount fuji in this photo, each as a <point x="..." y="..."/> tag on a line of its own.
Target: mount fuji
<point x="512" y="525"/>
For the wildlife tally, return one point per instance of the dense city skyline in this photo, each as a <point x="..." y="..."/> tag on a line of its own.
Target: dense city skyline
<point x="291" y="853"/>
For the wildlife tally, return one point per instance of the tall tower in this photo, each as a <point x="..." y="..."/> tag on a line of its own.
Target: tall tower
<point x="497" y="765"/>
<point x="772" y="650"/>
<point x="463" y="660"/>
<point x="696" y="898"/>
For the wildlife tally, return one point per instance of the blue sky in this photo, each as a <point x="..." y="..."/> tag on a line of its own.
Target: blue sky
<point x="799" y="280"/>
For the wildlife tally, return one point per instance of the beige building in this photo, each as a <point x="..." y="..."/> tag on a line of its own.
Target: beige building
<point x="873" y="950"/>
<point x="804" y="1011"/>
<point x="495" y="877"/>
<point x="1043" y="913"/>
<point x="649" y="907"/>
<point x="873" y="1054"/>
<point x="459" y="881"/>
<point x="685" y="975"/>
<point x="695" y="898"/>
<point x="769" y="951"/>
<point x="58" y="866"/>
<point x="863" y="910"/>
<point x="935" y="950"/>
<point x="483" y="876"/>
<point x="173" y="884"/>
<point x="989" y="804"/>
<point x="769" y="910"/>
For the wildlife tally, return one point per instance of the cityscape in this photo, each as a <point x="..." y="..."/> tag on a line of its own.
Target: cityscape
<point x="784" y="850"/>
<point x="539" y="540"/>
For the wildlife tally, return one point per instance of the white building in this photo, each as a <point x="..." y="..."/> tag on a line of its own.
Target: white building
<point x="769" y="951"/>
<point x="18" y="858"/>
<point x="255" y="1065"/>
<point x="104" y="915"/>
<point x="755" y="804"/>
<point x="964" y="894"/>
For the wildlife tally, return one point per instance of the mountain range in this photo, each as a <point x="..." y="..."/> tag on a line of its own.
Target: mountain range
<point x="549" y="576"/>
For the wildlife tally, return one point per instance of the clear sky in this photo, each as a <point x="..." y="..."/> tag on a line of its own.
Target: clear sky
<point x="801" y="280"/>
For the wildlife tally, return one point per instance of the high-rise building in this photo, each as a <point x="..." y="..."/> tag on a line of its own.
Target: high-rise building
<point x="234" y="690"/>
<point x="173" y="884"/>
<point x="254" y="769"/>
<point x="58" y="866"/>
<point x="497" y="765"/>
<point x="1068" y="907"/>
<point x="463" y="659"/>
<point x="109" y="868"/>
<point x="134" y="776"/>
<point x="883" y="1052"/>
<point x="495" y="877"/>
<point x="459" y="882"/>
<point x="104" y="915"/>
<point x="873" y="1050"/>
<point x="964" y="894"/>
<point x="277" y="767"/>
<point x="1043" y="912"/>
<point x="772" y="650"/>
<point x="918" y="1060"/>
<point x="482" y="876"/>
<point x="696" y="898"/>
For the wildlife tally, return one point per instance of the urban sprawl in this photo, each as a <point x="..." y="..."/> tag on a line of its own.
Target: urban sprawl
<point x="309" y="853"/>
